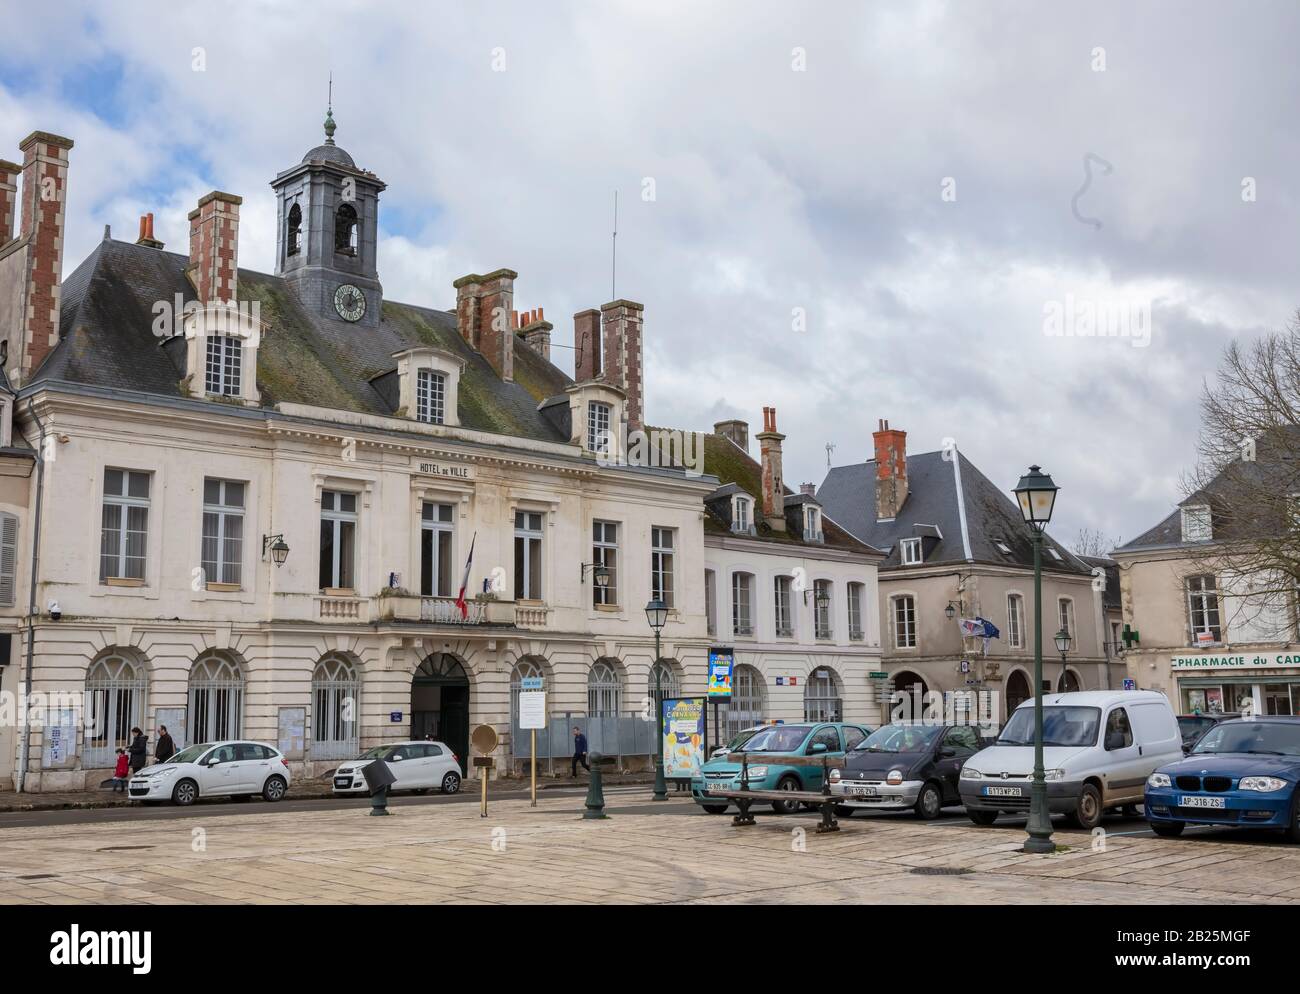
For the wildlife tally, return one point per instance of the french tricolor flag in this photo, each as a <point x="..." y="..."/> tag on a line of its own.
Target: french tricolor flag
<point x="464" y="581"/>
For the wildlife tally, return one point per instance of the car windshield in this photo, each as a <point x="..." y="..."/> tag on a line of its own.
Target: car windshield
<point x="778" y="738"/>
<point x="740" y="738"/>
<point x="900" y="738"/>
<point x="1062" y="726"/>
<point x="190" y="754"/>
<point x="378" y="752"/>
<point x="1270" y="738"/>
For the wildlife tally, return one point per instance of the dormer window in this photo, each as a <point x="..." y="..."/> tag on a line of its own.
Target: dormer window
<point x="428" y="383"/>
<point x="224" y="367"/>
<point x="1003" y="547"/>
<point x="345" y="230"/>
<point x="742" y="515"/>
<point x="430" y="396"/>
<point x="598" y="420"/>
<point x="909" y="551"/>
<point x="1197" y="525"/>
<point x="293" y="231"/>
<point x="812" y="525"/>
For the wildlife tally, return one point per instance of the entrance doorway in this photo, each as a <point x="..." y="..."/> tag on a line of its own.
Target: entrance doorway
<point x="1018" y="690"/>
<point x="440" y="703"/>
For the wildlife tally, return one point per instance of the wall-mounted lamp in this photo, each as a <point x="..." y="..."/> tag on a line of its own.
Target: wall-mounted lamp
<point x="279" y="550"/>
<point x="599" y="573"/>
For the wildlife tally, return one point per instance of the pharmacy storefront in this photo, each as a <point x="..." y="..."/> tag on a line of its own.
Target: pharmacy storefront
<point x="1260" y="682"/>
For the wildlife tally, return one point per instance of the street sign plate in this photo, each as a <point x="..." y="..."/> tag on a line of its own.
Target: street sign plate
<point x="395" y="716"/>
<point x="530" y="683"/>
<point x="877" y="675"/>
<point x="532" y="709"/>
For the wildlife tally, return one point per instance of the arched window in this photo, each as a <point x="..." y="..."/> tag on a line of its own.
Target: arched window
<point x="526" y="668"/>
<point x="115" y="689"/>
<point x="821" y="696"/>
<point x="345" y="230"/>
<point x="293" y="231"/>
<point x="604" y="691"/>
<point x="216" y="709"/>
<point x="669" y="687"/>
<point x="335" y="691"/>
<point x="746" y="705"/>
<point x="1068" y="683"/>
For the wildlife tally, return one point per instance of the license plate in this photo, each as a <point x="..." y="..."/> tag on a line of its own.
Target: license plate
<point x="863" y="792"/>
<point x="342" y="781"/>
<point x="721" y="785"/>
<point x="1202" y="802"/>
<point x="1004" y="792"/>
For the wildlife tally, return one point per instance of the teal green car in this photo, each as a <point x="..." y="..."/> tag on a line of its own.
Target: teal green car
<point x="827" y="738"/>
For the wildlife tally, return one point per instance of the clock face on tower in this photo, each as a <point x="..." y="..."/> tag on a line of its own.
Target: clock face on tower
<point x="349" y="302"/>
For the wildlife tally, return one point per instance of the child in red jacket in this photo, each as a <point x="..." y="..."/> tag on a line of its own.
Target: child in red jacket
<point x="121" y="772"/>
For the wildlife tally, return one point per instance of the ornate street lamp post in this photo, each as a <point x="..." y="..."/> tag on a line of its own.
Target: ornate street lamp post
<point x="1036" y="494"/>
<point x="656" y="613"/>
<point x="1063" y="647"/>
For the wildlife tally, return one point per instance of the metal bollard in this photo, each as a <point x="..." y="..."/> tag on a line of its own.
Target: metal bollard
<point x="379" y="802"/>
<point x="595" y="792"/>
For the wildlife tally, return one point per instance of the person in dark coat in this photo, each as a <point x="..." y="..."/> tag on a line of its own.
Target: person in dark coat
<point x="166" y="748"/>
<point x="579" y="750"/>
<point x="139" y="750"/>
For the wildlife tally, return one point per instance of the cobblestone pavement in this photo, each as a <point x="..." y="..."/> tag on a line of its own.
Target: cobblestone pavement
<point x="643" y="853"/>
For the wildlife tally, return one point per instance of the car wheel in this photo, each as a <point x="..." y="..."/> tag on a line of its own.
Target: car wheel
<point x="715" y="809"/>
<point x="185" y="793"/>
<point x="274" y="788"/>
<point x="982" y="817"/>
<point x="451" y="783"/>
<point x="844" y="811"/>
<point x="930" y="802"/>
<point x="1087" y="809"/>
<point x="1168" y="829"/>
<point x="790" y="783"/>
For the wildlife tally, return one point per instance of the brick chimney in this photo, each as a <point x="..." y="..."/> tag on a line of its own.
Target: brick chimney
<point x="891" y="471"/>
<point x="146" y="233"/>
<point x="9" y="172"/>
<point x="736" y="430"/>
<point x="214" y="247"/>
<point x="484" y="311"/>
<point x="535" y="330"/>
<point x="769" y="443"/>
<point x="586" y="345"/>
<point x="620" y="326"/>
<point x="45" y="181"/>
<point x="808" y="489"/>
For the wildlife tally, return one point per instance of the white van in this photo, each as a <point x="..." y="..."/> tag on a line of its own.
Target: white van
<point x="1099" y="747"/>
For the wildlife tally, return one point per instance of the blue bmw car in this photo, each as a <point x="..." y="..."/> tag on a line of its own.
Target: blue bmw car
<point x="1244" y="772"/>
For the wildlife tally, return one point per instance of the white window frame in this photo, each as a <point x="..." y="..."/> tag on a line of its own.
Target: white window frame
<point x="115" y="695"/>
<point x="1015" y="621"/>
<point x="812" y="524"/>
<point x="855" y="591"/>
<point x="909" y="552"/>
<point x="823" y="617"/>
<point x="1197" y="523"/>
<point x="215" y="688"/>
<point x="225" y="569"/>
<point x="783" y="601"/>
<point x="437" y="527"/>
<point x="430" y="396"/>
<point x="1065" y="614"/>
<point x="906" y="636"/>
<point x="532" y="542"/>
<point x="663" y="560"/>
<point x="711" y="601"/>
<point x="604" y="552"/>
<point x="742" y="517"/>
<point x="124" y="503"/>
<point x="1199" y="603"/>
<point x="600" y="416"/>
<point x="337" y="518"/>
<point x="223" y="374"/>
<point x="336" y="710"/>
<point x="742" y="610"/>
<point x="604" y="690"/>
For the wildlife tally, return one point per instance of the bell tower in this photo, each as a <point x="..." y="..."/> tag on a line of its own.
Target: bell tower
<point x="327" y="228"/>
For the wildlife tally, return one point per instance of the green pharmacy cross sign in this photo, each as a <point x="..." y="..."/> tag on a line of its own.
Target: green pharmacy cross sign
<point x="1130" y="637"/>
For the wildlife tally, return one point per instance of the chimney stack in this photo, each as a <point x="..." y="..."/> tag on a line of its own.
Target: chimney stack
<point x="808" y="489"/>
<point x="586" y="345"/>
<point x="45" y="180"/>
<point x="485" y="315"/>
<point x="769" y="441"/>
<point x="146" y="232"/>
<point x="891" y="471"/>
<point x="622" y="355"/>
<point x="8" y="199"/>
<point x="535" y="330"/>
<point x="736" y="430"/>
<point x="214" y="247"/>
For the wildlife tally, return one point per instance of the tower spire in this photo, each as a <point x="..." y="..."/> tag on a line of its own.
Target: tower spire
<point x="329" y="114"/>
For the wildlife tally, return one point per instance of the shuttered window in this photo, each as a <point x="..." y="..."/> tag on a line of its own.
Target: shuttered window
<point x="8" y="558"/>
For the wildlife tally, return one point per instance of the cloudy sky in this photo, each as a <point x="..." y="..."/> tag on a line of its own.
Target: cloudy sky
<point x="850" y="211"/>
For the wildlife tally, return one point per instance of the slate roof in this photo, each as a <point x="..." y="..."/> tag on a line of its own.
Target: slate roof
<point x="107" y="340"/>
<point x="737" y="470"/>
<point x="848" y="495"/>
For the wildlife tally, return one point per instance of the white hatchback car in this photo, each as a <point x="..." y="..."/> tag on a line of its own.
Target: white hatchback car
<point x="214" y="769"/>
<point x="416" y="765"/>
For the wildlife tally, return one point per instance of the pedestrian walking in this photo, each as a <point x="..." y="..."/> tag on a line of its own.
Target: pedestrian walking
<point x="579" y="751"/>
<point x="166" y="748"/>
<point x="120" y="772"/>
<point x="139" y="750"/>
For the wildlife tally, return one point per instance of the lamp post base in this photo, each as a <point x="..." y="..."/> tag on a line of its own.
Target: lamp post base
<point x="1038" y="846"/>
<point x="1040" y="821"/>
<point x="661" y="786"/>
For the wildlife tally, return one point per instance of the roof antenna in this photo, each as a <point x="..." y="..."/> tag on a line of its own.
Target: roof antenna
<point x="830" y="447"/>
<point x="613" y="266"/>
<point x="329" y="113"/>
